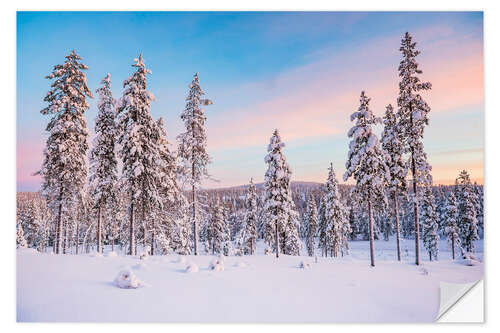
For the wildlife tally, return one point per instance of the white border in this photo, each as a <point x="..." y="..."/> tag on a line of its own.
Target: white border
<point x="7" y="133"/>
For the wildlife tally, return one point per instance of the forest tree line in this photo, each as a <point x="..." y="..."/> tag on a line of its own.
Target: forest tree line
<point x="154" y="201"/>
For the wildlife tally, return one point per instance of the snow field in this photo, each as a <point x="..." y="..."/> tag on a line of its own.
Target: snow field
<point x="70" y="288"/>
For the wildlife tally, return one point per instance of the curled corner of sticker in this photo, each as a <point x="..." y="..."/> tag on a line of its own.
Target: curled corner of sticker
<point x="451" y="293"/>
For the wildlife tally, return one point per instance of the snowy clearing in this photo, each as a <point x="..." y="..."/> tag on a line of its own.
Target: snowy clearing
<point x="70" y="288"/>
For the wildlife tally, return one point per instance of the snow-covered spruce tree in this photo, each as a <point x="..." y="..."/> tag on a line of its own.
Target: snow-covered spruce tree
<point x="64" y="168"/>
<point x="193" y="146"/>
<point x="467" y="221"/>
<point x="247" y="236"/>
<point x="116" y="215"/>
<point x="366" y="162"/>
<point x="218" y="230"/>
<point x="478" y="191"/>
<point x="412" y="116"/>
<point x="278" y="203"/>
<point x="429" y="224"/>
<point x="20" y="240"/>
<point x="352" y="221"/>
<point x="323" y="227"/>
<point x="441" y="199"/>
<point x="138" y="147"/>
<point x="312" y="224"/>
<point x="392" y="143"/>
<point x="337" y="227"/>
<point x="168" y="188"/>
<point x="291" y="238"/>
<point x="103" y="163"/>
<point x="181" y="229"/>
<point x="451" y="218"/>
<point x="30" y="221"/>
<point x="267" y="228"/>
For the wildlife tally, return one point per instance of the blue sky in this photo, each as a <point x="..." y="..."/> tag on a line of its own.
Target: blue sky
<point x="300" y="72"/>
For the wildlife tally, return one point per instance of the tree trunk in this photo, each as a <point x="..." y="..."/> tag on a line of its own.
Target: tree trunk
<point x="153" y="237"/>
<point x="99" y="236"/>
<point x="453" y="246"/>
<point x="195" y="225"/>
<point x="277" y="240"/>
<point x="430" y="256"/>
<point x="131" y="229"/>
<point x="65" y="240"/>
<point x="372" y="254"/>
<point x="398" y="234"/>
<point x="415" y="212"/>
<point x="415" y="205"/>
<point x="77" y="238"/>
<point x="143" y="227"/>
<point x="59" y="224"/>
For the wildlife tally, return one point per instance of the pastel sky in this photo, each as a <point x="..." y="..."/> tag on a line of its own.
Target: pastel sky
<point x="300" y="72"/>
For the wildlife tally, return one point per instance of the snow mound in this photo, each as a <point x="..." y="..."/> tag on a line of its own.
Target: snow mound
<point x="470" y="262"/>
<point x="126" y="279"/>
<point x="140" y="266"/>
<point x="469" y="255"/>
<point x="469" y="259"/>
<point x="192" y="268"/>
<point x="111" y="254"/>
<point x="304" y="265"/>
<point x="240" y="264"/>
<point x="424" y="271"/>
<point x="217" y="264"/>
<point x="218" y="268"/>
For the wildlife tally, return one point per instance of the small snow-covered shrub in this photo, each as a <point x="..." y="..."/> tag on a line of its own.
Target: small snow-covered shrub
<point x="192" y="268"/>
<point x="221" y="258"/>
<point x="468" y="255"/>
<point x="304" y="265"/>
<point x="217" y="264"/>
<point x="424" y="271"/>
<point x="145" y="253"/>
<point x="469" y="259"/>
<point x="268" y="251"/>
<point x="218" y="268"/>
<point x="126" y="279"/>
<point x="469" y="262"/>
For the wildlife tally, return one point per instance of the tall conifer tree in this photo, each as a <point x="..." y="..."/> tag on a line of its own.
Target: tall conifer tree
<point x="138" y="140"/>
<point x="103" y="164"/>
<point x="392" y="143"/>
<point x="64" y="168"/>
<point x="412" y="115"/>
<point x="366" y="163"/>
<point x="193" y="147"/>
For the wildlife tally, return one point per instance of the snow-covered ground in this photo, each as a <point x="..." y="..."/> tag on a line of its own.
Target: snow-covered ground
<point x="258" y="288"/>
